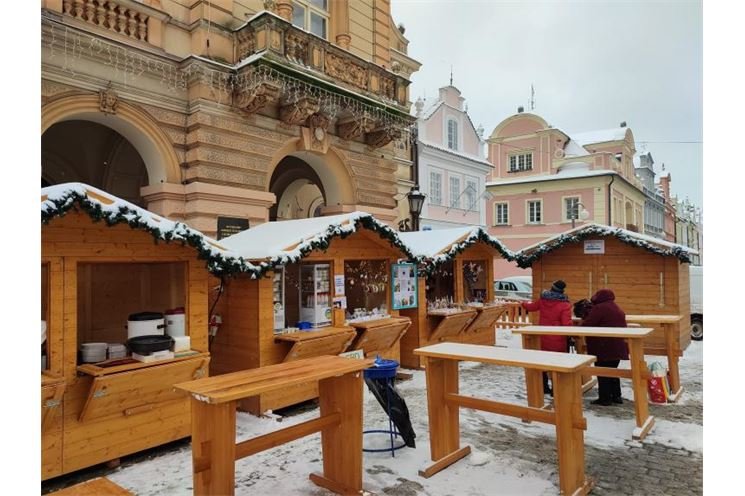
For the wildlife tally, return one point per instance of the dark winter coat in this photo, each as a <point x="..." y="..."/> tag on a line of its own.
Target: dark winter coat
<point x="554" y="310"/>
<point x="605" y="313"/>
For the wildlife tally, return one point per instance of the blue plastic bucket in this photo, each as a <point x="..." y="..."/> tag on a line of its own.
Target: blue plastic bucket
<point x="382" y="369"/>
<point x="304" y="325"/>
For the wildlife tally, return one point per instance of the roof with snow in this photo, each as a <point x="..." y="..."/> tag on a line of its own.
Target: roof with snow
<point x="288" y="241"/>
<point x="573" y="149"/>
<point x="568" y="171"/>
<point x="530" y="254"/>
<point x="600" y="136"/>
<point x="58" y="200"/>
<point x="432" y="248"/>
<point x="466" y="156"/>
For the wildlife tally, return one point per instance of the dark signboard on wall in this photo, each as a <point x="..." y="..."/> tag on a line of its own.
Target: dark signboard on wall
<point x="227" y="226"/>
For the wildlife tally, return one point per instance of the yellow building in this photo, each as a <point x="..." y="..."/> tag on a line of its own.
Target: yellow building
<point x="247" y="110"/>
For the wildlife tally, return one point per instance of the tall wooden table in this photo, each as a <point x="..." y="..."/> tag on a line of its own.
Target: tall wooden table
<point x="638" y="373"/>
<point x="444" y="403"/>
<point x="213" y="406"/>
<point x="668" y="324"/>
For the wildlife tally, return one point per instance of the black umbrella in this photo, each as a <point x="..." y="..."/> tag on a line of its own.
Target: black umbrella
<point x="384" y="390"/>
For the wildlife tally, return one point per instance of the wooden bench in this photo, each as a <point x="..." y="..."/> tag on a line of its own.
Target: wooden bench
<point x="213" y="410"/>
<point x="444" y="403"/>
<point x="379" y="336"/>
<point x="638" y="373"/>
<point x="668" y="325"/>
<point x="94" y="487"/>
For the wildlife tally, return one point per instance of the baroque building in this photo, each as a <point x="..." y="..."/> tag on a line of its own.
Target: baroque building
<point x="249" y="109"/>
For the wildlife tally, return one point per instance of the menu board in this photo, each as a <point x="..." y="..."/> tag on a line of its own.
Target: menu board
<point x="405" y="288"/>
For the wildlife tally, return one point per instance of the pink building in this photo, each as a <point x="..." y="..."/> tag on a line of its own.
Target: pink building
<point x="544" y="179"/>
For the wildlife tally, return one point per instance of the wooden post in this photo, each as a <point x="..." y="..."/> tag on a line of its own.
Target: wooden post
<point x="672" y="359"/>
<point x="213" y="447"/>
<point x="342" y="443"/>
<point x="533" y="378"/>
<point x="638" y="368"/>
<point x="444" y="418"/>
<point x="570" y="441"/>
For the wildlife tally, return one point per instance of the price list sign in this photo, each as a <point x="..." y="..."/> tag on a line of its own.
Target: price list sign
<point x="405" y="288"/>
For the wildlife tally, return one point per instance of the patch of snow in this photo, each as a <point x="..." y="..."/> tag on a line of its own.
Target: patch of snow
<point x="569" y="174"/>
<point x="600" y="136"/>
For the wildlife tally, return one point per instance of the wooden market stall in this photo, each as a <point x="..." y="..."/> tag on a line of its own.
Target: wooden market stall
<point x="325" y="289"/>
<point x="100" y="263"/>
<point x="456" y="289"/>
<point x="649" y="276"/>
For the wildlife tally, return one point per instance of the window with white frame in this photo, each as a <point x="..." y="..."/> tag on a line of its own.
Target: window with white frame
<point x="501" y="213"/>
<point x="455" y="192"/>
<point x="435" y="188"/>
<point x="470" y="194"/>
<point x="571" y="208"/>
<point x="535" y="215"/>
<point x="311" y="15"/>
<point x="452" y="134"/>
<point x="521" y="162"/>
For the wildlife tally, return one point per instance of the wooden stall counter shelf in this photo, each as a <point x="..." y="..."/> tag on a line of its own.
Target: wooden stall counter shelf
<point x="444" y="402"/>
<point x="449" y="322"/>
<point x="315" y="343"/>
<point x="213" y="407"/>
<point x="672" y="344"/>
<point x="52" y="390"/>
<point x="379" y="335"/>
<point x="487" y="317"/>
<point x="100" y="486"/>
<point x="117" y="365"/>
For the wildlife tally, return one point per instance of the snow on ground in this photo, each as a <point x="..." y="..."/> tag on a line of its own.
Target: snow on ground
<point x="492" y="466"/>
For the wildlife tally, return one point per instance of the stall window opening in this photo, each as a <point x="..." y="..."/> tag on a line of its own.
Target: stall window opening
<point x="474" y="281"/>
<point x="440" y="286"/>
<point x="366" y="288"/>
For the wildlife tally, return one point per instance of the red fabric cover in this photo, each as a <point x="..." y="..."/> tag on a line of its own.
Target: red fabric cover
<point x="605" y="313"/>
<point x="552" y="313"/>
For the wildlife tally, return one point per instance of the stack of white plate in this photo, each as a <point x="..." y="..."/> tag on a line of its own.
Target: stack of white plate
<point x="117" y="350"/>
<point x="93" y="352"/>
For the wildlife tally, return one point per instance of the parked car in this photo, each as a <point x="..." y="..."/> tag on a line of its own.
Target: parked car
<point x="697" y="302"/>
<point x="517" y="287"/>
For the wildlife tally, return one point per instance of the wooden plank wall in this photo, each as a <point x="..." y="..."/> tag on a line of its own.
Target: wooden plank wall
<point x="68" y="243"/>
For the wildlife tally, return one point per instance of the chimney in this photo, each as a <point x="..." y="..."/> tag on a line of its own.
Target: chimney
<point x="520" y="109"/>
<point x="623" y="124"/>
<point x="665" y="185"/>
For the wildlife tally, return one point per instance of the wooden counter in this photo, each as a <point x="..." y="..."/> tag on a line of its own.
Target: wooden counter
<point x="446" y="322"/>
<point x="96" y="370"/>
<point x="380" y="335"/>
<point x="325" y="341"/>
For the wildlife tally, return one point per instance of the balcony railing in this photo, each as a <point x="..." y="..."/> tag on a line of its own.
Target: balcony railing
<point x="109" y="15"/>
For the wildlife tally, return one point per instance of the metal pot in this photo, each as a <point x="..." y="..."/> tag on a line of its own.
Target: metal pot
<point x="144" y="345"/>
<point x="145" y="324"/>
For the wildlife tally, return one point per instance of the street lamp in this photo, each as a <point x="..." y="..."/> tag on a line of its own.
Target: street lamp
<point x="416" y="202"/>
<point x="583" y="214"/>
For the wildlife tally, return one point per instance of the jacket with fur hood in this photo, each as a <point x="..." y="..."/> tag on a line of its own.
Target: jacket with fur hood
<point x="554" y="309"/>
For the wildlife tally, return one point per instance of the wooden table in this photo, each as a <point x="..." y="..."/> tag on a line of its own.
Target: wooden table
<point x="379" y="335"/>
<point x="667" y="323"/>
<point x="213" y="406"/>
<point x="637" y="373"/>
<point x="100" y="486"/>
<point x="447" y="322"/>
<point x="444" y="403"/>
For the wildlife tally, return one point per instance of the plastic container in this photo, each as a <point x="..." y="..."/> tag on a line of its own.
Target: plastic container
<point x="382" y="369"/>
<point x="93" y="352"/>
<point x="181" y="343"/>
<point x="176" y="322"/>
<point x="304" y="326"/>
<point x="145" y="324"/>
<point x="117" y="350"/>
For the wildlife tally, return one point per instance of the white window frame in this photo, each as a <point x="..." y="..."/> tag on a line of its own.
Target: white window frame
<point x="526" y="158"/>
<point x="452" y="133"/>
<point x="528" y="213"/>
<point x="309" y="8"/>
<point x="454" y="200"/>
<point x="471" y="198"/>
<point x="565" y="206"/>
<point x="435" y="195"/>
<point x="506" y="205"/>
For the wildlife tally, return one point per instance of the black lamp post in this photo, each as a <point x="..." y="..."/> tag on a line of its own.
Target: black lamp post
<point x="416" y="201"/>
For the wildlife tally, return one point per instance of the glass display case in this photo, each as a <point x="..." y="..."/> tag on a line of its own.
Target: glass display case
<point x="278" y="298"/>
<point x="315" y="294"/>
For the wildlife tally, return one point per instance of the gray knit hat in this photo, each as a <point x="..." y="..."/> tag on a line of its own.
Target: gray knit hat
<point x="558" y="286"/>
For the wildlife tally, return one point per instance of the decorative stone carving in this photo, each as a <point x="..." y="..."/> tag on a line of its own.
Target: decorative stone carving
<point x="297" y="112"/>
<point x="382" y="136"/>
<point x="389" y="88"/>
<point x="246" y="44"/>
<point x="270" y="5"/>
<point x="296" y="49"/>
<point x="253" y="99"/>
<point x="108" y="100"/>
<point x="117" y="18"/>
<point x="346" y="70"/>
<point x="354" y="128"/>
<point x="284" y="10"/>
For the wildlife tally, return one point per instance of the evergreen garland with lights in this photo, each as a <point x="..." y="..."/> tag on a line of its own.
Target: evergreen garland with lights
<point x="429" y="265"/>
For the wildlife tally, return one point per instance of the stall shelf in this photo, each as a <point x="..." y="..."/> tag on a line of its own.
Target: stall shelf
<point x="92" y="413"/>
<point x="324" y="262"/>
<point x="456" y="289"/>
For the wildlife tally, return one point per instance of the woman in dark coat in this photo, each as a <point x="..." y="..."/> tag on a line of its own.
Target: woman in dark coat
<point x="610" y="351"/>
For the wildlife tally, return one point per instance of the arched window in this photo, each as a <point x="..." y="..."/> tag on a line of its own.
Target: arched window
<point x="452" y="134"/>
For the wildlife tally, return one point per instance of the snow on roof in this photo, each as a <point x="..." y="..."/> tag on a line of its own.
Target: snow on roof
<point x="569" y="171"/>
<point x="57" y="200"/>
<point x="529" y="254"/>
<point x="600" y="136"/>
<point x="468" y="156"/>
<point x="574" y="149"/>
<point x="282" y="242"/>
<point x="427" y="113"/>
<point x="434" y="247"/>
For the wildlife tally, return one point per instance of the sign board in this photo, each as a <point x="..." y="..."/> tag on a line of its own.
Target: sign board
<point x="594" y="246"/>
<point x="340" y="302"/>
<point x="405" y="288"/>
<point x="227" y="226"/>
<point x="339" y="285"/>
<point x="353" y="354"/>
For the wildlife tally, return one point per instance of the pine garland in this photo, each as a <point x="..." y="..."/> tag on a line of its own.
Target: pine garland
<point x="72" y="199"/>
<point x="525" y="260"/>
<point x="429" y="265"/>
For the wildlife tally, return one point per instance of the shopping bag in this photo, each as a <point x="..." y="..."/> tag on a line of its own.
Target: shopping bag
<point x="657" y="386"/>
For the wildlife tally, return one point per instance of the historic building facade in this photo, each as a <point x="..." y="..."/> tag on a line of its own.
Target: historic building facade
<point x="452" y="166"/>
<point x="545" y="179"/>
<point x="654" y="200"/>
<point x="249" y="109"/>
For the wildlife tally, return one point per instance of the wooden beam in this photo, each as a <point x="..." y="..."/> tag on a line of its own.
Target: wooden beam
<point x="445" y="462"/>
<point x="274" y="439"/>
<point x="611" y="372"/>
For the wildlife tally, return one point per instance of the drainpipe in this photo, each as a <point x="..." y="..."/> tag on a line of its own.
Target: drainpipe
<point x="610" y="217"/>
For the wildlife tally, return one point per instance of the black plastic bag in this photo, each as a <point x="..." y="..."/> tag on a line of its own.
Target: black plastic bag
<point x="399" y="413"/>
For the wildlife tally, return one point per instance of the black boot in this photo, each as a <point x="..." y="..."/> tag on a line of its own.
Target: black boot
<point x="601" y="402"/>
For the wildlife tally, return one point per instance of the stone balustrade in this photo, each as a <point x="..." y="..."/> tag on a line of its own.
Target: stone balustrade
<point x="109" y="15"/>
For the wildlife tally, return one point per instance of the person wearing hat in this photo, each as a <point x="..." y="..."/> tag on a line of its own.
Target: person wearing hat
<point x="554" y="309"/>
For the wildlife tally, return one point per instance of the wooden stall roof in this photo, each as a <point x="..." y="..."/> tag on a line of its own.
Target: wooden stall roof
<point x="281" y="242"/>
<point x="432" y="248"/>
<point x="530" y="254"/>
<point x="57" y="200"/>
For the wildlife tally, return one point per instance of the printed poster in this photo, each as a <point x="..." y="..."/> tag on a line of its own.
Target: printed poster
<point x="405" y="288"/>
<point x="594" y="246"/>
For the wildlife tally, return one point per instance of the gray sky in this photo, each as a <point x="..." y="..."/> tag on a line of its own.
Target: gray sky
<point x="593" y="65"/>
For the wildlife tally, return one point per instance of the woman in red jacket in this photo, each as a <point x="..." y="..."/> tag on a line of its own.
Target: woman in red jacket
<point x="554" y="309"/>
<point x="610" y="351"/>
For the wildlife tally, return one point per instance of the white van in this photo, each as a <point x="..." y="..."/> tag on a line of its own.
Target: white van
<point x="697" y="301"/>
<point x="517" y="287"/>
